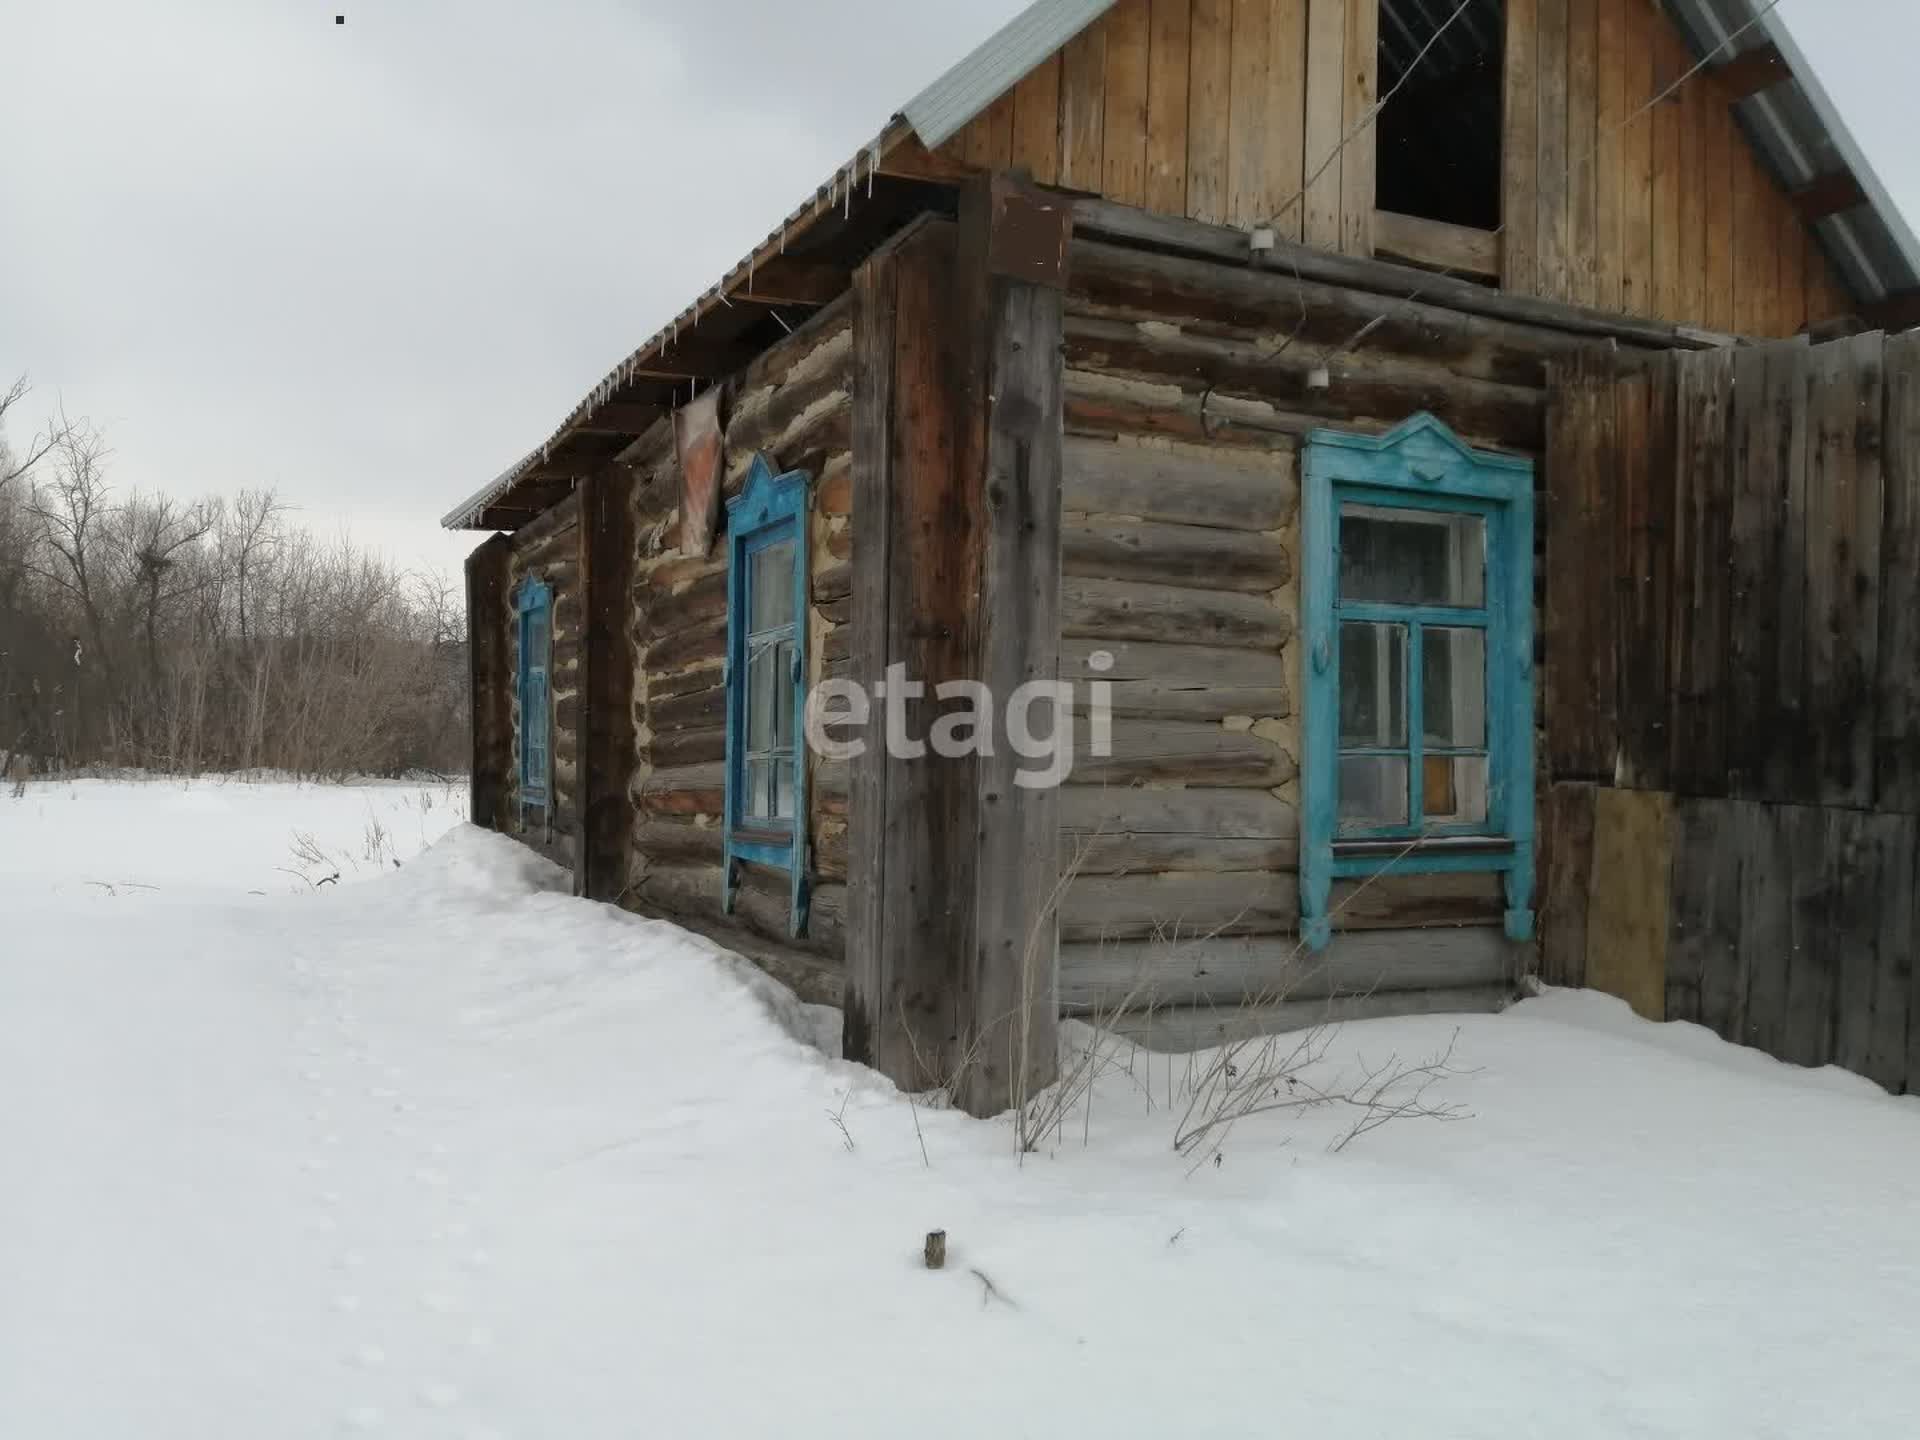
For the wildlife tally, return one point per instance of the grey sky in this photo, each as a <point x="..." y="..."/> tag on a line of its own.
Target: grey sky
<point x="371" y="264"/>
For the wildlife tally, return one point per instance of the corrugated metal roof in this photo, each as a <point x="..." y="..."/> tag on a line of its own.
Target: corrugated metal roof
<point x="1798" y="130"/>
<point x="942" y="110"/>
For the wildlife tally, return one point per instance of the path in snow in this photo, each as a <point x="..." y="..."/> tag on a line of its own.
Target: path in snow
<point x="451" y="1154"/>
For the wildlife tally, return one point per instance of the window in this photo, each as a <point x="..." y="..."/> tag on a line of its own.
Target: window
<point x="1439" y="142"/>
<point x="1419" y="625"/>
<point x="534" y="607"/>
<point x="766" y="782"/>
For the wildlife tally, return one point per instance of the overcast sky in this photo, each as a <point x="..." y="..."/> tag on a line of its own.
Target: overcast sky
<point x="372" y="264"/>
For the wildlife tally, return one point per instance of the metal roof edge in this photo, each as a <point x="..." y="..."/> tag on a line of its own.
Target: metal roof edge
<point x="1807" y="76"/>
<point x="940" y="111"/>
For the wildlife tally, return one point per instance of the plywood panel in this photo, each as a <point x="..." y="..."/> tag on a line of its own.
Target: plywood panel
<point x="1169" y="66"/>
<point x="1628" y="921"/>
<point x="1124" y="118"/>
<point x="1209" y="102"/>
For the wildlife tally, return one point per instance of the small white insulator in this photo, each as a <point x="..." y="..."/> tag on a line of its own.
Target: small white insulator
<point x="1319" y="378"/>
<point x="1262" y="240"/>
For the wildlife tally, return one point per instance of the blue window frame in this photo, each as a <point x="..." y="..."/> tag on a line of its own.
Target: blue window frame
<point x="534" y="608"/>
<point x="766" y="784"/>
<point x="1418" y="565"/>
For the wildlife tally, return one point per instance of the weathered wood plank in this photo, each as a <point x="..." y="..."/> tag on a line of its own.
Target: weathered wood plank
<point x="1845" y="513"/>
<point x="1036" y="122"/>
<point x="1247" y="116"/>
<point x="1893" y="1053"/>
<point x="1286" y="122"/>
<point x="1325" y="121"/>
<point x="694" y="790"/>
<point x="1627" y="920"/>
<point x="1168" y="72"/>
<point x="1689" y="440"/>
<point x="1636" y="164"/>
<point x="1179" y="1030"/>
<point x="1582" y="132"/>
<point x="1394" y="900"/>
<point x="1182" y="487"/>
<point x="1705" y="982"/>
<point x="1767" y="868"/>
<point x="1751" y="573"/>
<point x="1209" y="110"/>
<point x="1668" y="178"/>
<point x="1150" y="751"/>
<point x="1109" y="830"/>
<point x="490" y="672"/>
<point x="1644" y="576"/>
<point x="1104" y="981"/>
<point x="1361" y="85"/>
<point x="1169" y="614"/>
<point x="1550" y="72"/>
<point x="1897" y="690"/>
<point x="1520" y="149"/>
<point x="1149" y="552"/>
<point x="1821" y="841"/>
<point x="1716" y="182"/>
<point x="1180" y="905"/>
<point x="675" y="843"/>
<point x="1123" y="132"/>
<point x="1582" y="698"/>
<point x="1083" y="75"/>
<point x="1566" y="885"/>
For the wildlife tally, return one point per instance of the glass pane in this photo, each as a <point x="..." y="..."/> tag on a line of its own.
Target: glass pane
<point x="1412" y="557"/>
<point x="770" y="586"/>
<point x="783" y="789"/>
<point x="1453" y="689"/>
<point x="1373" y="791"/>
<point x="763" y="689"/>
<point x="1454" y="789"/>
<point x="754" y="804"/>
<point x="1373" y="685"/>
<point x="783" y="695"/>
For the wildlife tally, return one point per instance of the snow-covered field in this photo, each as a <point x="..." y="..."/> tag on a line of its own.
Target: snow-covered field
<point x="435" y="1150"/>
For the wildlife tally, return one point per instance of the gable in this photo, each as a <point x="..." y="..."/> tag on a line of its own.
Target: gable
<point x="1234" y="112"/>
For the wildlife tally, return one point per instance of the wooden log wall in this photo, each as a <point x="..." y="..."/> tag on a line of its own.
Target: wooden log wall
<point x="1229" y="111"/>
<point x="1659" y="210"/>
<point x="549" y="549"/>
<point x="490" y="681"/>
<point x="1186" y="405"/>
<point x="1733" y="697"/>
<point x="795" y="404"/>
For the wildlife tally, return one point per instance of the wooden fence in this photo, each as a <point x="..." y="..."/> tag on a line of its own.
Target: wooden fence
<point x="1732" y="710"/>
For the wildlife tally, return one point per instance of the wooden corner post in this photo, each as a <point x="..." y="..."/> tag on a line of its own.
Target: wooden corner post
<point x="951" y="946"/>
<point x="606" y="734"/>
<point x="490" y="681"/>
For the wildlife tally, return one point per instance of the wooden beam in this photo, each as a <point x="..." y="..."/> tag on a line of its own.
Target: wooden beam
<point x="1828" y="195"/>
<point x="1752" y="71"/>
<point x="1434" y="243"/>
<point x="785" y="280"/>
<point x="1898" y="311"/>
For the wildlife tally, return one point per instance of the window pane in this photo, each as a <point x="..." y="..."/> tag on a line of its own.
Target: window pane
<point x="783" y="789"/>
<point x="762" y="690"/>
<point x="1373" y="685"/>
<point x="1373" y="791"/>
<point x="783" y="695"/>
<point x="755" y="804"/>
<point x="770" y="586"/>
<point x="1454" y="790"/>
<point x="1412" y="557"/>
<point x="1453" y="688"/>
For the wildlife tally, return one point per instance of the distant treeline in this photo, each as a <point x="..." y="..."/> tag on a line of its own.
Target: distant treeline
<point x="208" y="635"/>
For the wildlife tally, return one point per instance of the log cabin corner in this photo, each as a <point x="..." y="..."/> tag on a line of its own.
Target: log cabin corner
<point x="1451" y="476"/>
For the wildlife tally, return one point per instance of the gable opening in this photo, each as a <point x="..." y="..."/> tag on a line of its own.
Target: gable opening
<point x="1439" y="140"/>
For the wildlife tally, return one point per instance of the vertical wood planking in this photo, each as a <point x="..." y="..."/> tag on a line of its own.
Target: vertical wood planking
<point x="1247" y="110"/>
<point x="1751" y="581"/>
<point x="1036" y="122"/>
<point x="1700" y="616"/>
<point x="1766" y="923"/>
<point x="1610" y="98"/>
<point x="1694" y="120"/>
<point x="1703" y="946"/>
<point x="1818" y="838"/>
<point x="1124" y="119"/>
<point x="490" y="680"/>
<point x="1894" y="1027"/>
<point x="1790" y="302"/>
<point x="1845" y="511"/>
<point x="1641" y="573"/>
<point x="1083" y="79"/>
<point x="607" y="734"/>
<point x="1628" y="922"/>
<point x="1520" y="151"/>
<point x="1858" y="848"/>
<point x="1897" y="688"/>
<point x="1636" y="162"/>
<point x="1168" y="69"/>
<point x="1581" y="696"/>
<point x="999" y="118"/>
<point x="1583" y="119"/>
<point x="1668" y="180"/>
<point x="1716" y="184"/>
<point x="1287" y="117"/>
<point x="1359" y="161"/>
<point x="1550" y="68"/>
<point x="1566" y="885"/>
<point x="1790" y="767"/>
<point x="1209" y="101"/>
<point x="1758" y="247"/>
<point x="1325" y="116"/>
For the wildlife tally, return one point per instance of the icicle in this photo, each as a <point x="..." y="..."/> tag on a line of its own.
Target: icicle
<point x="873" y="167"/>
<point x="853" y="178"/>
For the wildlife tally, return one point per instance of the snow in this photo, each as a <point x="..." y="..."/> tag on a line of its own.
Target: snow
<point x="439" y="1151"/>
